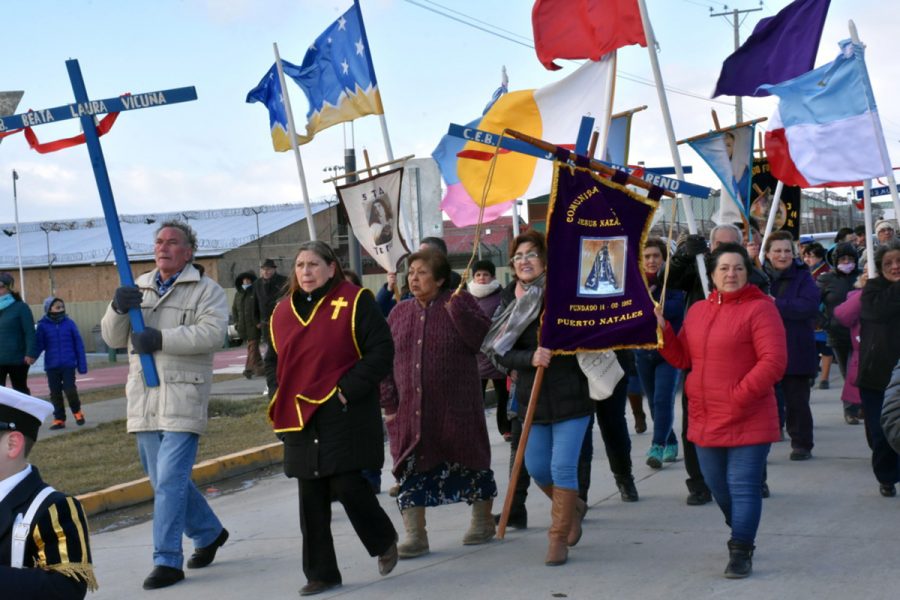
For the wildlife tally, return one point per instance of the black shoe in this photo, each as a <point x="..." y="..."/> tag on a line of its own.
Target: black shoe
<point x="765" y="490"/>
<point x="517" y="520"/>
<point x="388" y="560"/>
<point x="887" y="490"/>
<point x="740" y="560"/>
<point x="699" y="497"/>
<point x="851" y="419"/>
<point x="823" y="385"/>
<point x="202" y="557"/>
<point x="317" y="587"/>
<point x="627" y="489"/>
<point x="161" y="577"/>
<point x="800" y="454"/>
<point x="248" y="374"/>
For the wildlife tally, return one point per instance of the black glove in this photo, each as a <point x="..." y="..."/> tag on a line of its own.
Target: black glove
<point x="126" y="298"/>
<point x="146" y="342"/>
<point x="694" y="245"/>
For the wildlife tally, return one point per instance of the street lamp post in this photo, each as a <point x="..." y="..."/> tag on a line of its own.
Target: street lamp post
<point x="256" y="212"/>
<point x="15" y="177"/>
<point x="47" y="228"/>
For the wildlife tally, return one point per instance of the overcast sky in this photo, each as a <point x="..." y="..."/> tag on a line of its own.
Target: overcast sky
<point x="432" y="70"/>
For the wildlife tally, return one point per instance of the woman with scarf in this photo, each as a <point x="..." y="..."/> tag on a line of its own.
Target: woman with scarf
<point x="17" y="340"/>
<point x="433" y="407"/>
<point x="486" y="291"/>
<point x="564" y="408"/>
<point x="658" y="378"/>
<point x="797" y="300"/>
<point x="330" y="349"/>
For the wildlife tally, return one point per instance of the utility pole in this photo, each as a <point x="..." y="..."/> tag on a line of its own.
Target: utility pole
<point x="736" y="23"/>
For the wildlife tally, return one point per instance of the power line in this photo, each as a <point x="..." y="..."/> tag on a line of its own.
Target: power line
<point x="624" y="75"/>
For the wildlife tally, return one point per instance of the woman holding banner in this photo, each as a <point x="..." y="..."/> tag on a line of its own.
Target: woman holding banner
<point x="330" y="349"/>
<point x="658" y="378"/>
<point x="734" y="345"/>
<point x="564" y="407"/>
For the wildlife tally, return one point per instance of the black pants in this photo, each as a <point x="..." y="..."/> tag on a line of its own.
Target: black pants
<point x="369" y="520"/>
<point x="518" y="506"/>
<point x="502" y="395"/>
<point x="798" y="416"/>
<point x="616" y="439"/>
<point x="18" y="377"/>
<point x="841" y="349"/>
<point x="885" y="462"/>
<point x="695" y="482"/>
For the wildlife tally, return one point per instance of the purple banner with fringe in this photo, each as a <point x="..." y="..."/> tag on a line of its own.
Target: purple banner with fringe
<point x="596" y="296"/>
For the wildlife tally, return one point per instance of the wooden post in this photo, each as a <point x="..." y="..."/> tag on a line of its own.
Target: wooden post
<point x="520" y="452"/>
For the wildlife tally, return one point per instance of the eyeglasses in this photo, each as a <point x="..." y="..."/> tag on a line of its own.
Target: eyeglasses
<point x="517" y="258"/>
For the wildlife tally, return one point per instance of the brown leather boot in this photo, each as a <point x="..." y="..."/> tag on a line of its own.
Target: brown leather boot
<point x="637" y="408"/>
<point x="574" y="534"/>
<point x="562" y="513"/>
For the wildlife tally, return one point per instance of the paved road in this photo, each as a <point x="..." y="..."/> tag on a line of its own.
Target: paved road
<point x="225" y="361"/>
<point x="825" y="533"/>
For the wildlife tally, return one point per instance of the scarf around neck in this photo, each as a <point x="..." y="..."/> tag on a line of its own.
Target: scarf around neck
<point x="508" y="326"/>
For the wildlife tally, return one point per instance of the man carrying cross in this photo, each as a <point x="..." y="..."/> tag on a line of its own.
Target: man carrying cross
<point x="186" y="316"/>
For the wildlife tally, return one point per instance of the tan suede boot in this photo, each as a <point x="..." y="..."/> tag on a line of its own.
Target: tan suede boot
<point x="482" y="528"/>
<point x="416" y="542"/>
<point x="562" y="513"/>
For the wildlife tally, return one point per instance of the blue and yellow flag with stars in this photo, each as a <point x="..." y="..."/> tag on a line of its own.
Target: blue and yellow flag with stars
<point x="269" y="93"/>
<point x="337" y="76"/>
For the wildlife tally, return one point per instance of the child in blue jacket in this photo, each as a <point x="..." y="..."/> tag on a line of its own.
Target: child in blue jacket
<point x="58" y="337"/>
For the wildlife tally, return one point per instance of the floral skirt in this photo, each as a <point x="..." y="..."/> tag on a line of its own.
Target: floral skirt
<point x="447" y="483"/>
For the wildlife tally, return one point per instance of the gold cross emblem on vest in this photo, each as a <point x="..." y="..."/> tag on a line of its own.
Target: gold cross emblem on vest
<point x="338" y="305"/>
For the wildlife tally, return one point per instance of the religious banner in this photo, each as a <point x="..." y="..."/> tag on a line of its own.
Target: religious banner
<point x="729" y="154"/>
<point x="764" y="182"/>
<point x="373" y="209"/>
<point x="596" y="295"/>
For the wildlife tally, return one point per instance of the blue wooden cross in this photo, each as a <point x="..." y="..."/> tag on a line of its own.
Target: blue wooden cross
<point x="85" y="109"/>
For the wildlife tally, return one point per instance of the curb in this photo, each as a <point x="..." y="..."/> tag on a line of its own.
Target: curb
<point x="208" y="471"/>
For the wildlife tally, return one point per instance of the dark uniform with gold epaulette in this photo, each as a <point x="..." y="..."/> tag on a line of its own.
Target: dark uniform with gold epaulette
<point x="57" y="561"/>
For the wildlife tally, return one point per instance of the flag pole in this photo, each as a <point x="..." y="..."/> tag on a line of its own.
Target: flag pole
<point x="610" y="95"/>
<point x="773" y="212"/>
<point x="876" y="123"/>
<point x="292" y="136"/>
<point x="365" y="40"/>
<point x="670" y="134"/>
<point x="867" y="217"/>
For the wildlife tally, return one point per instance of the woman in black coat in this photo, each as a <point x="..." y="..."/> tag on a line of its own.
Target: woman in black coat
<point x="879" y="351"/>
<point x="330" y="349"/>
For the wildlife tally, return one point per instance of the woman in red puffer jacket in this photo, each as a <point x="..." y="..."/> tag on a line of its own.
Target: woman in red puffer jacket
<point x="734" y="345"/>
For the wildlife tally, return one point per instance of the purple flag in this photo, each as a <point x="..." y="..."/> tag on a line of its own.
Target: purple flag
<point x="780" y="48"/>
<point x="596" y="296"/>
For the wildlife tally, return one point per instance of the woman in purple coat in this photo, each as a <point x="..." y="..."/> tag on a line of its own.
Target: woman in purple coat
<point x="433" y="407"/>
<point x="797" y="299"/>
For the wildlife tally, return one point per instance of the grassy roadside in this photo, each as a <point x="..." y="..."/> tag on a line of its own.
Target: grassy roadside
<point x="93" y="459"/>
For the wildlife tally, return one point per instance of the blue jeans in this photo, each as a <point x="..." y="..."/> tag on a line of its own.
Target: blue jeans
<point x="551" y="456"/>
<point x="178" y="507"/>
<point x="659" y="380"/>
<point x="734" y="475"/>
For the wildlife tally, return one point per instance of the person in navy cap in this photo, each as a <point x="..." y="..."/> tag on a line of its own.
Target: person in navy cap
<point x="44" y="542"/>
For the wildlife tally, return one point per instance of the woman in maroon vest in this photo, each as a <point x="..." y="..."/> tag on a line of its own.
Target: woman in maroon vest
<point x="433" y="407"/>
<point x="330" y="349"/>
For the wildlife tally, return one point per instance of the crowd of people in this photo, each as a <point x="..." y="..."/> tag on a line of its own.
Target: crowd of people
<point x="413" y="365"/>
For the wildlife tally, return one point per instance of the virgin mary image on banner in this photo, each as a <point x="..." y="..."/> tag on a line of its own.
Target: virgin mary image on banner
<point x="602" y="267"/>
